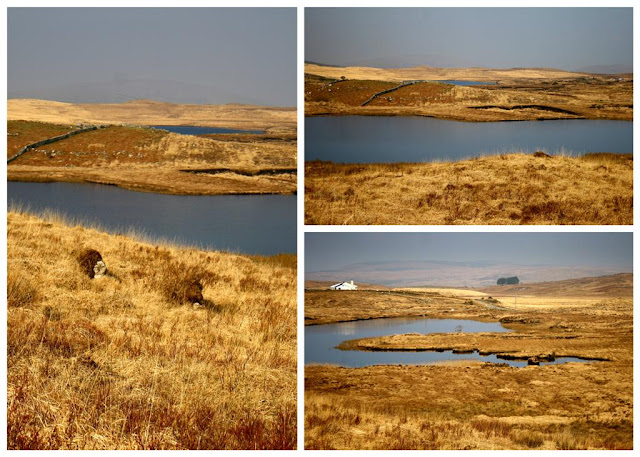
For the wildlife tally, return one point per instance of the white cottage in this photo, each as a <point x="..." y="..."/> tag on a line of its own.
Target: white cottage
<point x="344" y="286"/>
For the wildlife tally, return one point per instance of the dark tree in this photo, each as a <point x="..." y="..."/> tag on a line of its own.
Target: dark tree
<point x="509" y="280"/>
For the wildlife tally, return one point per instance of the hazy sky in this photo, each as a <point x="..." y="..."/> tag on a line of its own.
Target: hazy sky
<point x="328" y="251"/>
<point x="193" y="55"/>
<point x="567" y="38"/>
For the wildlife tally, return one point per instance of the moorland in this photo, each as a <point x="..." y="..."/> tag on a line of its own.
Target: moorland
<point x="505" y="188"/>
<point x="469" y="404"/>
<point x="125" y="152"/>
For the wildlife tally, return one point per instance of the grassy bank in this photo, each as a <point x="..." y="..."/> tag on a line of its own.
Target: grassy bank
<point x="501" y="189"/>
<point x="473" y="405"/>
<point x="150" y="160"/>
<point x="127" y="361"/>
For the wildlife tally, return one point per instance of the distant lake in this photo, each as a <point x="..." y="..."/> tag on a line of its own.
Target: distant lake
<point x="251" y="224"/>
<point x="196" y="130"/>
<point x="320" y="342"/>
<point x="370" y="139"/>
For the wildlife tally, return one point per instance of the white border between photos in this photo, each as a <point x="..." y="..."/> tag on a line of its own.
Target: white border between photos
<point x="301" y="228"/>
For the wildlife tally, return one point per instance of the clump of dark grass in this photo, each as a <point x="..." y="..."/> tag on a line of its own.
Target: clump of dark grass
<point x="87" y="260"/>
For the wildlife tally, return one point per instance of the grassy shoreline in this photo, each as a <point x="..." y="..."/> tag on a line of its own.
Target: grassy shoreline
<point x="126" y="362"/>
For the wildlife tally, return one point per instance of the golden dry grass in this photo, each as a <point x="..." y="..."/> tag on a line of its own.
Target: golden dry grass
<point x="328" y="306"/>
<point x="153" y="160"/>
<point x="481" y="406"/>
<point x="434" y="73"/>
<point x="149" y="112"/>
<point x="503" y="189"/>
<point x="122" y="362"/>
<point x="447" y="292"/>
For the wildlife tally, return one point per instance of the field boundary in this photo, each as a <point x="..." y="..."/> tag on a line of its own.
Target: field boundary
<point x="52" y="140"/>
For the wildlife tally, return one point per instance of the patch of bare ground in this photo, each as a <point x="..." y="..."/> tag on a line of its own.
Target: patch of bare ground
<point x="526" y="94"/>
<point x="151" y="160"/>
<point x="503" y="189"/>
<point x="482" y="406"/>
<point x="129" y="360"/>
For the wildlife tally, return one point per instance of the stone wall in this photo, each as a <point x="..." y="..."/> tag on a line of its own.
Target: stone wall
<point x="52" y="140"/>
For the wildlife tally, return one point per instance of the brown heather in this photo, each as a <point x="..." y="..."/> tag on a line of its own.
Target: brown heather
<point x="119" y="362"/>
<point x="502" y="189"/>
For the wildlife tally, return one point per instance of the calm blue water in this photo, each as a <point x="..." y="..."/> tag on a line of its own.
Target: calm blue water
<point x="251" y="224"/>
<point x="370" y="139"/>
<point x="320" y="342"/>
<point x="195" y="130"/>
<point x="456" y="82"/>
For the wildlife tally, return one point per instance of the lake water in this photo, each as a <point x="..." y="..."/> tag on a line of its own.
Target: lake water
<point x="320" y="342"/>
<point x="369" y="139"/>
<point x="196" y="130"/>
<point x="251" y="224"/>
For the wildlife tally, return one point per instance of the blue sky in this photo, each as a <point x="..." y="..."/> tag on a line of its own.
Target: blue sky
<point x="566" y="38"/>
<point x="188" y="55"/>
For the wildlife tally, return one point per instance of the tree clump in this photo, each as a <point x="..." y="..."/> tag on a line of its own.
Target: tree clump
<point x="509" y="280"/>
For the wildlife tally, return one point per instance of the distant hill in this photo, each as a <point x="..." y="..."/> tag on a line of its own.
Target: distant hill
<point x="619" y="286"/>
<point x="435" y="73"/>
<point x="310" y="284"/>
<point x="607" y="69"/>
<point x="454" y="274"/>
<point x="320" y="64"/>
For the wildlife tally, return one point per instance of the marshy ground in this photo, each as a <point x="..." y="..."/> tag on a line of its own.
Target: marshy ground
<point x="134" y="157"/>
<point x="127" y="361"/>
<point x="475" y="405"/>
<point x="501" y="189"/>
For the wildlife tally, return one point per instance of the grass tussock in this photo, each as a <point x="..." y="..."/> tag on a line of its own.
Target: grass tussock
<point x="504" y="189"/>
<point x="87" y="260"/>
<point x="124" y="362"/>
